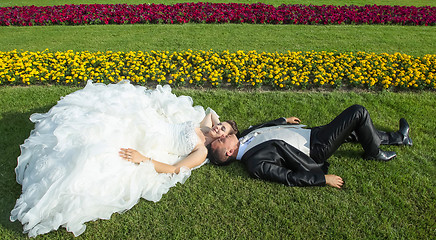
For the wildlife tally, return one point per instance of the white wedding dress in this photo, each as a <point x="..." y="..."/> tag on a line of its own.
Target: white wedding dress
<point x="69" y="167"/>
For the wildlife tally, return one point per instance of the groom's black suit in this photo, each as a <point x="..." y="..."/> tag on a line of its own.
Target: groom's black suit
<point x="278" y="161"/>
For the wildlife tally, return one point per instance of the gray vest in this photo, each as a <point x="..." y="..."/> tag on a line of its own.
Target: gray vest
<point x="294" y="135"/>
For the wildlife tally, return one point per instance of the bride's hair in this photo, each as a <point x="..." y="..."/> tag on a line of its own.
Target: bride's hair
<point x="234" y="126"/>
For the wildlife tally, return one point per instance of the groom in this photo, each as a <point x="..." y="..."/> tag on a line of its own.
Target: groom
<point x="284" y="151"/>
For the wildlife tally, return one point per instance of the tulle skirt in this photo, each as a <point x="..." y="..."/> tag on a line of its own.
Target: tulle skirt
<point x="69" y="166"/>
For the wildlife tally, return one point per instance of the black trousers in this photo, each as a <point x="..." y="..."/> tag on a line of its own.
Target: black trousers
<point x="387" y="138"/>
<point x="353" y="124"/>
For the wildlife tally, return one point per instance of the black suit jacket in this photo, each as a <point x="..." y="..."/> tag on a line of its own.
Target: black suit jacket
<point x="277" y="161"/>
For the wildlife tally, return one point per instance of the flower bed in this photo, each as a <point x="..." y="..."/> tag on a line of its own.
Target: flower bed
<point x="292" y="70"/>
<point x="257" y="13"/>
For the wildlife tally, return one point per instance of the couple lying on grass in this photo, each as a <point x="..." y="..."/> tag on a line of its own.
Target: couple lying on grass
<point x="100" y="149"/>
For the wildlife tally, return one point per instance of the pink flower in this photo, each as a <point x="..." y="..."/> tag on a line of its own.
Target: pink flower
<point x="217" y="13"/>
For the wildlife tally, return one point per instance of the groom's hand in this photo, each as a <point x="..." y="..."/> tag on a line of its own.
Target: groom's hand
<point x="334" y="181"/>
<point x="293" y="120"/>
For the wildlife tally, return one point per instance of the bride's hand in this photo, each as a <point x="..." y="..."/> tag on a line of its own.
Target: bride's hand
<point x="132" y="155"/>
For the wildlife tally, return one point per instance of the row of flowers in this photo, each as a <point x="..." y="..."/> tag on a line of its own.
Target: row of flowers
<point x="216" y="13"/>
<point x="295" y="70"/>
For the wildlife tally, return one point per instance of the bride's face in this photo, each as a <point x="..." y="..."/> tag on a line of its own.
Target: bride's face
<point x="221" y="129"/>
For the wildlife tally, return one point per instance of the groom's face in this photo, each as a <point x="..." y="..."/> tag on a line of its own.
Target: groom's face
<point x="228" y="142"/>
<point x="224" y="145"/>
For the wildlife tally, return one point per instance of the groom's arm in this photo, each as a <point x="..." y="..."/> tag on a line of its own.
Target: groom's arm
<point x="267" y="163"/>
<point x="275" y="122"/>
<point x="275" y="173"/>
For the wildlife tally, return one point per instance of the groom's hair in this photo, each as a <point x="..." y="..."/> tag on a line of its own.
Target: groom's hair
<point x="218" y="156"/>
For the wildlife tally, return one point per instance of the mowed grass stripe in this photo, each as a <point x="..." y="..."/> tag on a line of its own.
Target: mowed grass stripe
<point x="416" y="41"/>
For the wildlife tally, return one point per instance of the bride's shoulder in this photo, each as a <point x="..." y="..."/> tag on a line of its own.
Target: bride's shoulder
<point x="201" y="137"/>
<point x="201" y="148"/>
<point x="202" y="151"/>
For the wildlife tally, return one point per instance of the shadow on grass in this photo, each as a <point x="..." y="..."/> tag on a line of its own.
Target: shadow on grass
<point x="15" y="127"/>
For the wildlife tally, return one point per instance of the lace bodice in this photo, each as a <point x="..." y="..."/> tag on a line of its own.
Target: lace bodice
<point x="183" y="138"/>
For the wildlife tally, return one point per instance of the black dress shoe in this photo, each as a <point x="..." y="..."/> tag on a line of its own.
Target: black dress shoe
<point x="404" y="130"/>
<point x="382" y="156"/>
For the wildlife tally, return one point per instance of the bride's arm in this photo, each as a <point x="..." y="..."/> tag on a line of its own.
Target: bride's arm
<point x="210" y="120"/>
<point x="195" y="158"/>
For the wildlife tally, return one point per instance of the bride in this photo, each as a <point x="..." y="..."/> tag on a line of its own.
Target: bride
<point x="73" y="166"/>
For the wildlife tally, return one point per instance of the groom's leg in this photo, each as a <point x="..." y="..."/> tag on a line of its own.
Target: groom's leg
<point x="386" y="138"/>
<point x="325" y="140"/>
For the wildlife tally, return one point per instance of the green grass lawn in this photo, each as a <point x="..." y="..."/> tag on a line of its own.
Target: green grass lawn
<point x="381" y="199"/>
<point x="392" y="200"/>
<point x="416" y="41"/>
